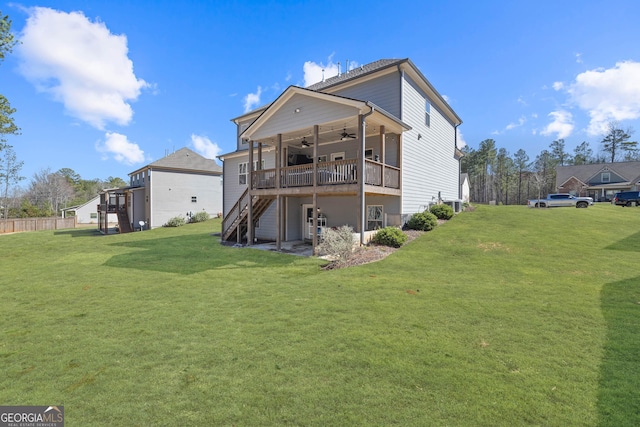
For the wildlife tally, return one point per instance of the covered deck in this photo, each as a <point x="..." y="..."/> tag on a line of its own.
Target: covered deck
<point x="323" y="145"/>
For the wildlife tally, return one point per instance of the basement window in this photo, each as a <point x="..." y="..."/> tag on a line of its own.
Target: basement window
<point x="194" y="199"/>
<point x="374" y="217"/>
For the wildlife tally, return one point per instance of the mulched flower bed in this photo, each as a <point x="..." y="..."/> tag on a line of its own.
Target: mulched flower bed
<point x="371" y="253"/>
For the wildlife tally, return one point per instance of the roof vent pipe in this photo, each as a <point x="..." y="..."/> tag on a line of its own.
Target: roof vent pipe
<point x="323" y="74"/>
<point x="339" y="70"/>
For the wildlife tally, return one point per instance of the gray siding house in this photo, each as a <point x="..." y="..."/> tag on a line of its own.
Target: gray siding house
<point x="366" y="148"/>
<point x="601" y="181"/>
<point x="85" y="213"/>
<point x="180" y="184"/>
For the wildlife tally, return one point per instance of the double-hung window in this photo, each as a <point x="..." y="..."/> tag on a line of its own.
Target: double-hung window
<point x="242" y="173"/>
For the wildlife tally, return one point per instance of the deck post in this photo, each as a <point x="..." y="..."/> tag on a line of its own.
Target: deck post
<point x="250" y="201"/>
<point x="315" y="157"/>
<point x="278" y="197"/>
<point x="400" y="166"/>
<point x="314" y="236"/>
<point x="361" y="177"/>
<point x="383" y="149"/>
<point x="314" y="229"/>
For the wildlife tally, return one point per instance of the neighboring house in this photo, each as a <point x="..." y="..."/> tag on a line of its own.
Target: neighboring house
<point x="180" y="184"/>
<point x="465" y="189"/>
<point x="600" y="181"/>
<point x="86" y="213"/>
<point x="366" y="148"/>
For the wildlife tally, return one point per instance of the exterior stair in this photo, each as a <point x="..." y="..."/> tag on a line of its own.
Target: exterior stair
<point x="124" y="225"/>
<point x="237" y="218"/>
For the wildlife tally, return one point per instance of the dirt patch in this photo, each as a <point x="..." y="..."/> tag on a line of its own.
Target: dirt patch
<point x="371" y="253"/>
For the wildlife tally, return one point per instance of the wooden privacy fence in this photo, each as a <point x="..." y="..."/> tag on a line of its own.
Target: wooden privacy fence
<point x="18" y="225"/>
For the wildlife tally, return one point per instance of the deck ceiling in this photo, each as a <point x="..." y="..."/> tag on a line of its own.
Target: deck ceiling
<point x="327" y="133"/>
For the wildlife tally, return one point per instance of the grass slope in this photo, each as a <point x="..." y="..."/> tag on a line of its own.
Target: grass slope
<point x="502" y="316"/>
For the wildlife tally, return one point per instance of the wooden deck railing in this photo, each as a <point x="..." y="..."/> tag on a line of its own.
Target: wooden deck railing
<point x="337" y="172"/>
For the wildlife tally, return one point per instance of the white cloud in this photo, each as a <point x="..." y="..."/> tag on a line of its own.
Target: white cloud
<point x="460" y="142"/>
<point x="558" y="85"/>
<point x="313" y="72"/>
<point x="252" y="100"/>
<point x="562" y="124"/>
<point x="579" y="58"/>
<point x="204" y="146"/>
<point x="522" y="120"/>
<point x="81" y="63"/>
<point x="121" y="149"/>
<point x="608" y="95"/>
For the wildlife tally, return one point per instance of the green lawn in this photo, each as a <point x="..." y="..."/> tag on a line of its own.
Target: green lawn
<point x="505" y="316"/>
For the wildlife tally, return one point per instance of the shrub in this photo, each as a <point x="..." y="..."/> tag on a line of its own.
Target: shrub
<point x="442" y="211"/>
<point x="176" y="221"/>
<point x="337" y="243"/>
<point x="424" y="221"/>
<point x="199" y="217"/>
<point x="390" y="236"/>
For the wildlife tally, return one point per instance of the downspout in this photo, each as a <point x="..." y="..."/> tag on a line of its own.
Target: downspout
<point x="223" y="198"/>
<point x="401" y="71"/>
<point x="455" y="147"/>
<point x="363" y="212"/>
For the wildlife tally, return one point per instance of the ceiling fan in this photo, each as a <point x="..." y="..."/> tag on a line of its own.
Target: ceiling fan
<point x="344" y="136"/>
<point x="304" y="142"/>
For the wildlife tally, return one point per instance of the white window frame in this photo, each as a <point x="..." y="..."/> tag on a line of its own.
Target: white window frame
<point x="427" y="113"/>
<point x="375" y="217"/>
<point x="338" y="154"/>
<point x="368" y="153"/>
<point x="242" y="173"/>
<point x="242" y="128"/>
<point x="608" y="177"/>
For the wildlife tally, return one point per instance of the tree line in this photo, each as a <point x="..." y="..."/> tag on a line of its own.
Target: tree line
<point x="497" y="176"/>
<point x="49" y="192"/>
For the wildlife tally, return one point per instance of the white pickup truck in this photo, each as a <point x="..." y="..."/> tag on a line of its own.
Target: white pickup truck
<point x="559" y="200"/>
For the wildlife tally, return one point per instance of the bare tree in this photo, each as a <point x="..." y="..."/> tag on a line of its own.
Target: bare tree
<point x="9" y="174"/>
<point x="50" y="191"/>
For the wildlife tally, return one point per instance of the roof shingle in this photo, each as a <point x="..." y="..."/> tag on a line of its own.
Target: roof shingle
<point x="187" y="159"/>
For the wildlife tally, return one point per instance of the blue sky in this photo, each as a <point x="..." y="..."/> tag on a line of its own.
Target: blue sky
<point x="106" y="87"/>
